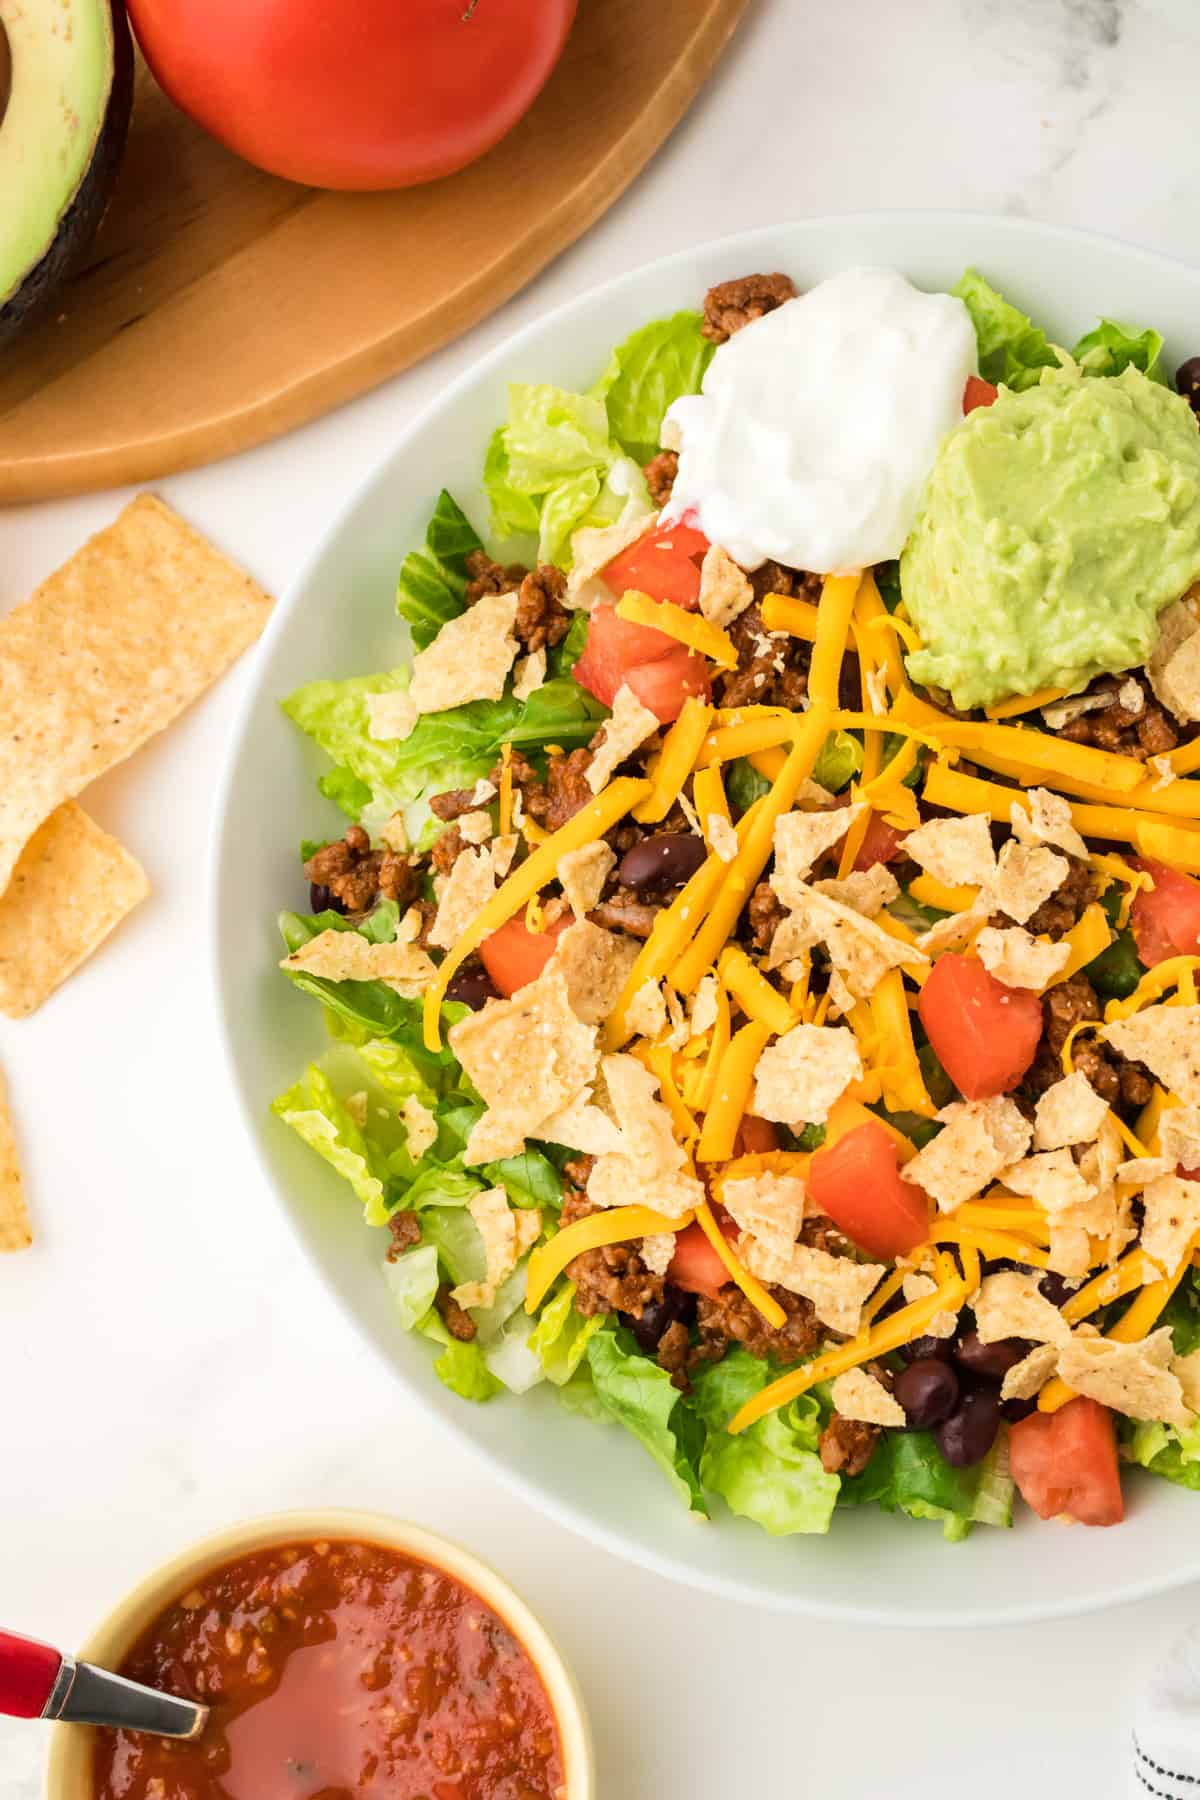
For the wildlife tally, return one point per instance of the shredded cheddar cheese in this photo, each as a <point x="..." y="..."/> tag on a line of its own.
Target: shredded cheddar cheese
<point x="616" y="1225"/>
<point x="685" y="627"/>
<point x="753" y="1289"/>
<point x="675" y="761"/>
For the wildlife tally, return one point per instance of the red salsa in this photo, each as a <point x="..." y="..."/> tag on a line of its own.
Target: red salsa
<point x="338" y="1671"/>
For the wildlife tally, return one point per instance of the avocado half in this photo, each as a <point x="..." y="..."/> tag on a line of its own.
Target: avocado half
<point x="69" y="67"/>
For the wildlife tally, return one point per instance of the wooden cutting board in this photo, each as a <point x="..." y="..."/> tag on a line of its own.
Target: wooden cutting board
<point x="220" y="306"/>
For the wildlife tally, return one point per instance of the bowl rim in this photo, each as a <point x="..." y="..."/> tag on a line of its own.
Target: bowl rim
<point x="71" y="1750"/>
<point x="1019" y="1611"/>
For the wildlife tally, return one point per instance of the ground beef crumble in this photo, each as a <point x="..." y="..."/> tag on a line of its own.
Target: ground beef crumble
<point x="765" y="913"/>
<point x="846" y="1446"/>
<point x="1150" y="731"/>
<point x="542" y="619"/>
<point x="405" y="1228"/>
<point x="484" y="576"/>
<point x="730" y="1319"/>
<point x="730" y="305"/>
<point x="1117" y="1080"/>
<point x="456" y="1319"/>
<point x="446" y="850"/>
<point x="624" y="910"/>
<point x="660" y="473"/>
<point x="563" y="793"/>
<point x="771" y="670"/>
<point x="613" y="1278"/>
<point x="355" y="876"/>
<point x="1066" y="905"/>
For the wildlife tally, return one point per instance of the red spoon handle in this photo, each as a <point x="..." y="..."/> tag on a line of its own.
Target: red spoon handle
<point x="28" y="1672"/>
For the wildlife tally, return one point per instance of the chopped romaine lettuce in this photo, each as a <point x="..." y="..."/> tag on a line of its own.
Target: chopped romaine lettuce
<point x="1111" y="347"/>
<point x="771" y="1472"/>
<point x="647" y="373"/>
<point x="635" y="1392"/>
<point x="1012" y="350"/>
<point x="432" y="584"/>
<point x="463" y="1369"/>
<point x="840" y="759"/>
<point x="413" y="1283"/>
<point x="315" y="1113"/>
<point x="909" y="1474"/>
<point x="562" y="1335"/>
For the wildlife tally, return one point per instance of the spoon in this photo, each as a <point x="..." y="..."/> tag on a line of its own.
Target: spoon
<point x="37" y="1682"/>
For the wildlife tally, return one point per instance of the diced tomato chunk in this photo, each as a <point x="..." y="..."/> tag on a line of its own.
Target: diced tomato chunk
<point x="857" y="1183"/>
<point x="1166" y="920"/>
<point x="755" y="1136"/>
<point x="985" y="1035"/>
<point x="1066" y="1462"/>
<point x="665" y="564"/>
<point x="663" y="686"/>
<point x="978" y="392"/>
<point x="881" y="843"/>
<point x="514" y="956"/>
<point x="695" y="1266"/>
<point x="660" y="670"/>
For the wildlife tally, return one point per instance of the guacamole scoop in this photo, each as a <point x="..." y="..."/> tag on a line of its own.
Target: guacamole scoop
<point x="1055" y="526"/>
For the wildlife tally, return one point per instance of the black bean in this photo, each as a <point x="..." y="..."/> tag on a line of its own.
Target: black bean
<point x="1016" y="1410"/>
<point x="849" y="684"/>
<point x="928" y="1392"/>
<point x="965" y="1438"/>
<point x="661" y="862"/>
<point x="1187" y="380"/>
<point x="674" y="1305"/>
<point x="1057" y="1289"/>
<point x="321" y="900"/>
<point x="923" y="1348"/>
<point x="991" y="1362"/>
<point x="472" y="987"/>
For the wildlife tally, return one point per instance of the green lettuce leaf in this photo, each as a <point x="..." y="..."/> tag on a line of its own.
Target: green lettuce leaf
<point x="551" y="433"/>
<point x="1012" y="349"/>
<point x="513" y="515"/>
<point x="561" y="1336"/>
<point x="909" y="1474"/>
<point x="635" y="1392"/>
<point x="840" y="759"/>
<point x="1111" y="347"/>
<point x="432" y="583"/>
<point x="370" y="1009"/>
<point x="1182" y="1314"/>
<point x="1167" y="1451"/>
<point x="463" y="1369"/>
<point x="346" y="791"/>
<point x="455" y="1236"/>
<point x="771" y="1472"/>
<point x="413" y="1283"/>
<point x="647" y="373"/>
<point x="315" y="1113"/>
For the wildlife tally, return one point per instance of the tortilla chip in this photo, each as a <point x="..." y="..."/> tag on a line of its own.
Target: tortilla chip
<point x="1179" y="1135"/>
<point x="462" y="896"/>
<point x="593" y="547"/>
<point x="1069" y="1112"/>
<point x="721" y="836"/>
<point x="109" y="650"/>
<point x="72" y="886"/>
<point x="529" y="673"/>
<point x="1027" y="1378"/>
<point x="595" y="964"/>
<point x="802" y="839"/>
<point x="725" y="590"/>
<point x="470" y="657"/>
<point x="631" y="724"/>
<point x="1020" y="960"/>
<point x="800" y="1076"/>
<point x="943" y="1324"/>
<point x="15" y="1230"/>
<point x="771" y="1207"/>
<point x="705" y="1007"/>
<point x="420" y="1125"/>
<point x="1026" y="875"/>
<point x="865" y="891"/>
<point x="956" y="851"/>
<point x="1048" y="821"/>
<point x="980" y="1138"/>
<point x="529" y="1058"/>
<point x="838" y="1286"/>
<point x="1011" y="1305"/>
<point x="656" y="1251"/>
<point x="1134" y="1379"/>
<point x="1187" y="1369"/>
<point x="651" y="1166"/>
<point x="1167" y="1040"/>
<point x="1172" y="1220"/>
<point x="582" y="874"/>
<point x="860" y="1395"/>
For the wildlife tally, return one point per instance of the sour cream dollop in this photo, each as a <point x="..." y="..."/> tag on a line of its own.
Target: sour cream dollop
<point x="816" y="426"/>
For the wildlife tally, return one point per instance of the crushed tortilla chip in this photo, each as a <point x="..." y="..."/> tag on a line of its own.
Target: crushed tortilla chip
<point x="1134" y="1379"/>
<point x="865" y="891"/>
<point x="109" y="650"/>
<point x="651" y="1165"/>
<point x="391" y="715"/>
<point x="1179" y="1135"/>
<point x="503" y="850"/>
<point x="529" y="673"/>
<point x="1049" y="822"/>
<point x="582" y="874"/>
<point x="475" y="827"/>
<point x="1026" y="875"/>
<point x="1140" y="1171"/>
<point x="462" y="896"/>
<point x="657" y="1250"/>
<point x="631" y="724"/>
<point x="860" y="1395"/>
<point x="646" y="1014"/>
<point x="506" y="1234"/>
<point x="801" y="839"/>
<point x="1020" y="960"/>
<point x="860" y="950"/>
<point x="770" y="1207"/>
<point x="15" y="1230"/>
<point x="837" y="1286"/>
<point x="593" y="547"/>
<point x="1011" y="1305"/>
<point x="470" y="657"/>
<point x="1187" y="1370"/>
<point x="346" y="956"/>
<point x="956" y="930"/>
<point x="1070" y="1112"/>
<point x="420" y="1124"/>
<point x="1174" y="665"/>
<point x="1052" y="1178"/>
<point x="1026" y="1379"/>
<point x="704" y="1010"/>
<point x="585" y="1127"/>
<point x="596" y="965"/>
<point x="943" y="1324"/>
<point x="725" y="591"/>
<point x="981" y="1137"/>
<point x="956" y="851"/>
<point x="528" y="1057"/>
<point x="72" y="886"/>
<point x="1172" y="1221"/>
<point x="393" y="834"/>
<point x="721" y="836"/>
<point x="1167" y="1040"/>
<point x="799" y="1077"/>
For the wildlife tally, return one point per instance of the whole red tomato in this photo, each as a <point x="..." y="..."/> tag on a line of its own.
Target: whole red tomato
<point x="354" y="93"/>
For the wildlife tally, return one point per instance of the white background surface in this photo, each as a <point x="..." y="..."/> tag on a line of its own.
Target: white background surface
<point x="167" y="1360"/>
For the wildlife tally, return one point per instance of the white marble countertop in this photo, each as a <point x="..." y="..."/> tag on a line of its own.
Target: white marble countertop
<point x="169" y="1362"/>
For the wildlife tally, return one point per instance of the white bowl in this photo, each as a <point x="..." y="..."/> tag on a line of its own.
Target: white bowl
<point x="340" y="620"/>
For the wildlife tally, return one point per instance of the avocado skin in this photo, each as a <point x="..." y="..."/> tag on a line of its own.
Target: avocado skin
<point x="81" y="221"/>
